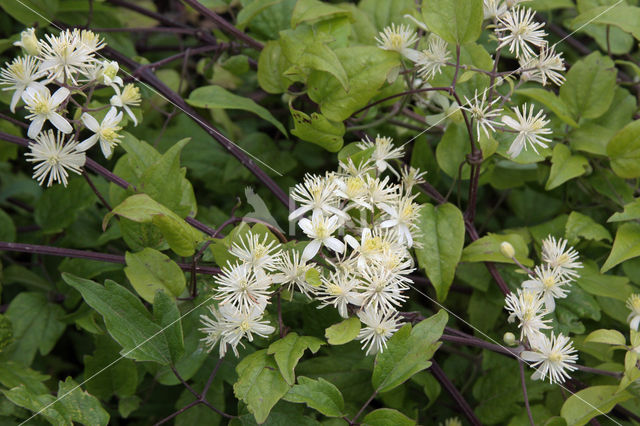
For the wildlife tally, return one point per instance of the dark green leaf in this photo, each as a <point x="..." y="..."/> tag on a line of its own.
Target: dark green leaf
<point x="319" y="394"/>
<point x="456" y="21"/>
<point x="289" y="350"/>
<point x="150" y="271"/>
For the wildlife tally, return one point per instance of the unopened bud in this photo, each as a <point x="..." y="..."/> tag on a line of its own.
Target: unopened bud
<point x="507" y="249"/>
<point x="510" y="339"/>
<point x="29" y="42"/>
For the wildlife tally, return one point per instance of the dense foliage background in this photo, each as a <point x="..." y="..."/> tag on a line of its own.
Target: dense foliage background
<point x="294" y="83"/>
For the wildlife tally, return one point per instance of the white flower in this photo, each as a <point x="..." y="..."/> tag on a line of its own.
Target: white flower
<point x="431" y="60"/>
<point x="383" y="151"/>
<point x="339" y="290"/>
<point x="517" y="29"/>
<point x="260" y="255"/>
<point x="316" y="194"/>
<point x="292" y="271"/>
<point x="482" y="113"/>
<point x="243" y="323"/>
<point x="371" y="247"/>
<point x="380" y="291"/>
<point x="381" y="191"/>
<point x="110" y="74"/>
<point x="527" y="307"/>
<point x="354" y="189"/>
<point x="320" y="229"/>
<point x="555" y="253"/>
<point x="229" y="325"/>
<point x="411" y="177"/>
<point x="379" y="328"/>
<point x="42" y="107"/>
<point x="54" y="157"/>
<point x="68" y="54"/>
<point x="633" y="303"/>
<point x="493" y="9"/>
<point x="402" y="217"/>
<point x="19" y="75"/>
<point x="530" y="128"/>
<point x="130" y="97"/>
<point x="106" y="132"/>
<point x="552" y="356"/>
<point x="29" y="42"/>
<point x="397" y="38"/>
<point x="548" y="282"/>
<point x="240" y="286"/>
<point x="546" y="66"/>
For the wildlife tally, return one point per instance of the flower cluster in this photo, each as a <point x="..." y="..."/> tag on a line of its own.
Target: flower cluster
<point x="516" y="30"/>
<point x="547" y="282"/>
<point x="359" y="227"/>
<point x="56" y="79"/>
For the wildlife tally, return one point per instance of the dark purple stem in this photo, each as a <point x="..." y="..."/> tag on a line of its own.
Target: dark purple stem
<point x="457" y="396"/>
<point x="524" y="393"/>
<point x="91" y="255"/>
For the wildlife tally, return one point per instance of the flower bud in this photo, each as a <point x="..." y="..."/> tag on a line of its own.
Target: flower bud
<point x="510" y="339"/>
<point x="507" y="249"/>
<point x="29" y="42"/>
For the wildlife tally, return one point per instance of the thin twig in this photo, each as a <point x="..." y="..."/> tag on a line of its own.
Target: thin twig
<point x="524" y="393"/>
<point x="453" y="391"/>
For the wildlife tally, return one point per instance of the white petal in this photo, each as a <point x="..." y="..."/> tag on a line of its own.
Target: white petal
<point x="334" y="244"/>
<point x="15" y="98"/>
<point x="311" y="250"/>
<point x="299" y="212"/>
<point x="531" y="356"/>
<point x="388" y="223"/>
<point x="87" y="143"/>
<point x="35" y="127"/>
<point x="91" y="123"/>
<point x="60" y="123"/>
<point x="351" y="241"/>
<point x="106" y="148"/>
<point x="59" y="96"/>
<point x="131" y="115"/>
<point x="306" y="225"/>
<point x="635" y="322"/>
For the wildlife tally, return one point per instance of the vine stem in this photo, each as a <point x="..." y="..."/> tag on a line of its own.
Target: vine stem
<point x="455" y="393"/>
<point x="524" y="393"/>
<point x="365" y="405"/>
<point x="90" y="255"/>
<point x="223" y="24"/>
<point x="149" y="78"/>
<point x="108" y="175"/>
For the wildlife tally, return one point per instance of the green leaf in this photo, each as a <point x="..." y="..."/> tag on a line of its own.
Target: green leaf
<point x="272" y="65"/>
<point x="626" y="245"/>
<point x="36" y="325"/>
<point x="631" y="212"/>
<point x="590" y="86"/>
<point x="107" y="376"/>
<point x="442" y="239"/>
<point x="308" y="52"/>
<point x="553" y="102"/>
<point x="289" y="350"/>
<point x="593" y="401"/>
<point x="45" y="404"/>
<point x="383" y="13"/>
<point x="80" y="406"/>
<point x="7" y="228"/>
<point x="317" y="129"/>
<point x="319" y="394"/>
<point x="182" y="238"/>
<point x="59" y="206"/>
<point x="580" y="225"/>
<point x="260" y="384"/>
<point x="167" y="316"/>
<point x="609" y="337"/>
<point x="217" y="97"/>
<point x="408" y="352"/>
<point x="624" y="151"/>
<point x="452" y="151"/>
<point x="565" y="166"/>
<point x="29" y="12"/>
<point x="343" y="332"/>
<point x="387" y="416"/>
<point x="313" y="11"/>
<point x="126" y="318"/>
<point x="13" y="374"/>
<point x="591" y="138"/>
<point x="593" y="282"/>
<point x="455" y="21"/>
<point x="164" y="181"/>
<point x="249" y="11"/>
<point x="625" y="17"/>
<point x="366" y="68"/>
<point x="487" y="249"/>
<point x="150" y="271"/>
